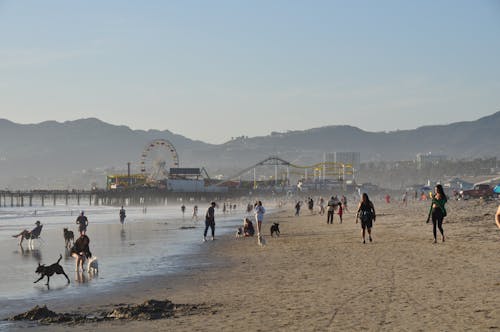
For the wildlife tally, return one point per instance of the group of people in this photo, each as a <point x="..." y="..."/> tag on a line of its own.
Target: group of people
<point x="366" y="214"/>
<point x="248" y="228"/>
<point x="80" y="249"/>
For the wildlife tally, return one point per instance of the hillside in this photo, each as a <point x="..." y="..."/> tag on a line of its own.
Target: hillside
<point x="53" y="152"/>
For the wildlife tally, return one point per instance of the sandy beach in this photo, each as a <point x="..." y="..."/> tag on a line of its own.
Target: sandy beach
<point x="319" y="277"/>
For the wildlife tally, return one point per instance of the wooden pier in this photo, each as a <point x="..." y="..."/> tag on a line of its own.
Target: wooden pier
<point x="132" y="197"/>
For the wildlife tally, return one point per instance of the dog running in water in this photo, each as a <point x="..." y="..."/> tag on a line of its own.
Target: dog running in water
<point x="275" y="228"/>
<point x="69" y="237"/>
<point x="49" y="271"/>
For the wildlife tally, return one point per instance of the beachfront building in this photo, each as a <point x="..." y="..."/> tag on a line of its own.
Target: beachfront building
<point x="426" y="159"/>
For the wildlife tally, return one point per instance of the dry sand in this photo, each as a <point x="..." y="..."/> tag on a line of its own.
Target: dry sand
<point x="319" y="277"/>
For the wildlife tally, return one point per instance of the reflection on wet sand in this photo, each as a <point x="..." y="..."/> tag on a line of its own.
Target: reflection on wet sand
<point x="81" y="277"/>
<point x="35" y="254"/>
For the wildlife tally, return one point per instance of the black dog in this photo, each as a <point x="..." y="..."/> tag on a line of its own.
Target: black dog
<point x="275" y="228"/>
<point x="69" y="237"/>
<point x="50" y="270"/>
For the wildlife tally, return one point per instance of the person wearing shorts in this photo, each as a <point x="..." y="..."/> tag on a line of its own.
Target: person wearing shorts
<point x="366" y="213"/>
<point x="82" y="223"/>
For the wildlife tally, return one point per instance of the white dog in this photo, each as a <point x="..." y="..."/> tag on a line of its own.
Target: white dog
<point x="93" y="265"/>
<point x="261" y="240"/>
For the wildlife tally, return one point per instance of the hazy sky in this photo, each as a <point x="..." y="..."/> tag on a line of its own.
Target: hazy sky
<point x="211" y="70"/>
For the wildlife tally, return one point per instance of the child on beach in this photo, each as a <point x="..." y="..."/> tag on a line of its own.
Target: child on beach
<point x="321" y="205"/>
<point x="195" y="213"/>
<point x="247" y="229"/>
<point x="340" y="212"/>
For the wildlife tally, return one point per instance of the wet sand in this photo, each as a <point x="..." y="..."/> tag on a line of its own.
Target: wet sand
<point x="319" y="277"/>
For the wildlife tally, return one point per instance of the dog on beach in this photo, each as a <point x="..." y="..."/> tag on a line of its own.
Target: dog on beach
<point x="69" y="237"/>
<point x="261" y="240"/>
<point x="239" y="232"/>
<point x="48" y="271"/>
<point x="93" y="265"/>
<point x="275" y="228"/>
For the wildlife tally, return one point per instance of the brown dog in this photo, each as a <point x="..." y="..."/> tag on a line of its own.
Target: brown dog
<point x="69" y="237"/>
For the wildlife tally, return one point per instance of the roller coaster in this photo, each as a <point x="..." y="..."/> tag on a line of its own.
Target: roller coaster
<point x="320" y="171"/>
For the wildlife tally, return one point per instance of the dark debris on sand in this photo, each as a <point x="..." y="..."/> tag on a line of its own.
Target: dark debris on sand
<point x="45" y="316"/>
<point x="149" y="310"/>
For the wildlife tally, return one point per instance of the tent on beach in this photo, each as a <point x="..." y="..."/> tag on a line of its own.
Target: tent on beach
<point x="496" y="189"/>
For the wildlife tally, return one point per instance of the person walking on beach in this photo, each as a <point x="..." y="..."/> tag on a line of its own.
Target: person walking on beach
<point x="297" y="209"/>
<point x="310" y="204"/>
<point x="437" y="211"/>
<point x="195" y="213"/>
<point x="321" y="205"/>
<point x="82" y="223"/>
<point x="340" y="211"/>
<point x="259" y="215"/>
<point x="183" y="210"/>
<point x="343" y="200"/>
<point x="366" y="212"/>
<point x="210" y="221"/>
<point x="122" y="215"/>
<point x="331" y="210"/>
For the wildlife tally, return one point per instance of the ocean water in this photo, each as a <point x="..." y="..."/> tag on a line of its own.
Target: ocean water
<point x="152" y="243"/>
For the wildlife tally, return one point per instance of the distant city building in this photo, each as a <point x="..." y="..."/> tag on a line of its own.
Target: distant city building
<point x="424" y="159"/>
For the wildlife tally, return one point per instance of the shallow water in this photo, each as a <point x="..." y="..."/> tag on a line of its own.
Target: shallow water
<point x="147" y="244"/>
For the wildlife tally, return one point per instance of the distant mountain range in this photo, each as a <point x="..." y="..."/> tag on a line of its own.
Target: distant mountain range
<point x="56" y="155"/>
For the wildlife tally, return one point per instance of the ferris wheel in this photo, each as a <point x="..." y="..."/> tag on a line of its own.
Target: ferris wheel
<point x="157" y="158"/>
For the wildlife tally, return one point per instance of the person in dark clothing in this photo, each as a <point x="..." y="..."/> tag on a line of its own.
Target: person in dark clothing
<point x="248" y="229"/>
<point x="210" y="221"/>
<point x="366" y="212"/>
<point x="33" y="234"/>
<point x="310" y="205"/>
<point x="331" y="210"/>
<point x="297" y="208"/>
<point x="122" y="215"/>
<point x="82" y="223"/>
<point x="81" y="251"/>
<point x="437" y="211"/>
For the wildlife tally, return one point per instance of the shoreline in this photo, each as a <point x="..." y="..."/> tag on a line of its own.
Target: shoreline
<point x="320" y="277"/>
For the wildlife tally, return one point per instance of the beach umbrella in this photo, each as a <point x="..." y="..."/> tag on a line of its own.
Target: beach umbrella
<point x="497" y="189"/>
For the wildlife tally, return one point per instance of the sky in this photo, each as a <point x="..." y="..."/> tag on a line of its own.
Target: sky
<point x="213" y="70"/>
